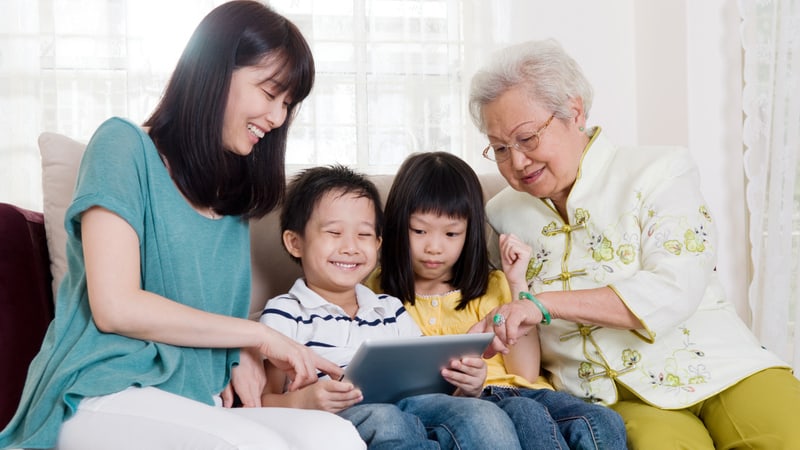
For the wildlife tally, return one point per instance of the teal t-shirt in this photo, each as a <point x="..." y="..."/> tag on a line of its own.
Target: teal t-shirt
<point x="185" y="257"/>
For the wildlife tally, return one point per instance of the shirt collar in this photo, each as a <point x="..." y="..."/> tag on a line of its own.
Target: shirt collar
<point x="366" y="298"/>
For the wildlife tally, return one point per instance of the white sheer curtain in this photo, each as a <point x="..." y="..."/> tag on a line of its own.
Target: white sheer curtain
<point x="390" y="80"/>
<point x="771" y="99"/>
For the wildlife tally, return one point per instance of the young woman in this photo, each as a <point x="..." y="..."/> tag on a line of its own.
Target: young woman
<point x="150" y="337"/>
<point x="434" y="258"/>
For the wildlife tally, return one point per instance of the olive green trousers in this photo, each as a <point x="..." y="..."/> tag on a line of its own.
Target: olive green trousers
<point x="760" y="412"/>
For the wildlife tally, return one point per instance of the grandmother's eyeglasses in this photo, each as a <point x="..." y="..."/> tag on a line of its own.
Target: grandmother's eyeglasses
<point x="525" y="141"/>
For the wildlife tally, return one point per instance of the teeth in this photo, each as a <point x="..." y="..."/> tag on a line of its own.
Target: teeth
<point x="346" y="266"/>
<point x="255" y="130"/>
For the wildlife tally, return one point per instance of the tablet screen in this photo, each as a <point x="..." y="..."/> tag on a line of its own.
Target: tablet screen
<point x="388" y="370"/>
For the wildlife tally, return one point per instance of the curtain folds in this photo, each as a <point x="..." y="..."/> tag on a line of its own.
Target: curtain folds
<point x="770" y="35"/>
<point x="391" y="75"/>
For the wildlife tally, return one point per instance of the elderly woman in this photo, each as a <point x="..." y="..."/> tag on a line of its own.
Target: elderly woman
<point x="632" y="314"/>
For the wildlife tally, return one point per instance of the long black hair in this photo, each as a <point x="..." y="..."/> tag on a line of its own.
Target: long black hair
<point x="187" y="124"/>
<point x="439" y="183"/>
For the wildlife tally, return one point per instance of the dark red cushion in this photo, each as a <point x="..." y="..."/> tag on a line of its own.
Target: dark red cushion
<point x="26" y="301"/>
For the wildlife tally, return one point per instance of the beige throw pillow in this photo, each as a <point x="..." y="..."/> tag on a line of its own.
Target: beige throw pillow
<point x="61" y="157"/>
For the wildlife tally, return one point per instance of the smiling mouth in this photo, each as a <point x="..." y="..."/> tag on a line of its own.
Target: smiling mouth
<point x="346" y="266"/>
<point x="257" y="132"/>
<point x="533" y="175"/>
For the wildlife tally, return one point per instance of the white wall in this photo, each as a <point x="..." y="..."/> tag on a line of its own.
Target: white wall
<point x="714" y="60"/>
<point x="664" y="72"/>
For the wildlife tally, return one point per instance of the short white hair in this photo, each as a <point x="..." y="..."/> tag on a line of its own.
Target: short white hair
<point x="550" y="76"/>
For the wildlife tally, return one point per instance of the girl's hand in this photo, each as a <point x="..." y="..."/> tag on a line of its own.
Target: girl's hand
<point x="327" y="395"/>
<point x="515" y="255"/>
<point x="247" y="379"/>
<point x="298" y="362"/>
<point x="467" y="374"/>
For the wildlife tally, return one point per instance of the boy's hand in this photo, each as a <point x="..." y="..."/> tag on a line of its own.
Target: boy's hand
<point x="467" y="374"/>
<point x="327" y="395"/>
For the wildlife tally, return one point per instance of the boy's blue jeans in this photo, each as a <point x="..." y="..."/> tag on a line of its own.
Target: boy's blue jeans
<point x="548" y="419"/>
<point x="433" y="421"/>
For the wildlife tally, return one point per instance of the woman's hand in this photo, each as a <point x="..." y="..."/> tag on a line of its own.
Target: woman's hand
<point x="247" y="379"/>
<point x="467" y="374"/>
<point x="298" y="362"/>
<point x="519" y="318"/>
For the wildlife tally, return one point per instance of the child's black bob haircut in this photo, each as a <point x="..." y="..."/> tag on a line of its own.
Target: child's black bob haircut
<point x="309" y="186"/>
<point x="187" y="124"/>
<point x="439" y="183"/>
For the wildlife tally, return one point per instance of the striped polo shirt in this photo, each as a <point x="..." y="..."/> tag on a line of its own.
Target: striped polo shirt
<point x="326" y="328"/>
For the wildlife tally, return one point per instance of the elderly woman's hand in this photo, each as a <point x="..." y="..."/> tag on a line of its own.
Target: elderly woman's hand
<point x="509" y="322"/>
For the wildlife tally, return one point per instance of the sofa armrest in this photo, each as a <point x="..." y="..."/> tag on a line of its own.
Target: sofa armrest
<point x="26" y="299"/>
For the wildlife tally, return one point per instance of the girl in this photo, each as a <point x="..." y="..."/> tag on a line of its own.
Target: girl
<point x="151" y="316"/>
<point x="434" y="258"/>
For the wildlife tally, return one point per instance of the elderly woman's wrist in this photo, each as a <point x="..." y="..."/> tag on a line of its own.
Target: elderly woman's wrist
<point x="546" y="317"/>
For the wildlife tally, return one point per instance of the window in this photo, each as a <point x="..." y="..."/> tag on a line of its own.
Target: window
<point x="388" y="81"/>
<point x="389" y="76"/>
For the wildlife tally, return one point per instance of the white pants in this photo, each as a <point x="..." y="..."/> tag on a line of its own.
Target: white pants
<point x="149" y="418"/>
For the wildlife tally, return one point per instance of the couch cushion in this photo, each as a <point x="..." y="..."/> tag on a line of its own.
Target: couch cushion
<point x="26" y="304"/>
<point x="61" y="157"/>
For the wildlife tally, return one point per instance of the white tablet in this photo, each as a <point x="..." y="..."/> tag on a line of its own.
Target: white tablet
<point x="388" y="370"/>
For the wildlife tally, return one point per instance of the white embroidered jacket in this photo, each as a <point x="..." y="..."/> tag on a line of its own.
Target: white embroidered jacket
<point x="638" y="224"/>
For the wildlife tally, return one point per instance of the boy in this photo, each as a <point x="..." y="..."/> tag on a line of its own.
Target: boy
<point x="331" y="224"/>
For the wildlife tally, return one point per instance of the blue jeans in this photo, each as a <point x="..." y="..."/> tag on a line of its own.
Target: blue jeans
<point x="551" y="419"/>
<point x="433" y="421"/>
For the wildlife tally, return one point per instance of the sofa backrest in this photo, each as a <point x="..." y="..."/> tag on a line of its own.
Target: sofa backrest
<point x="273" y="271"/>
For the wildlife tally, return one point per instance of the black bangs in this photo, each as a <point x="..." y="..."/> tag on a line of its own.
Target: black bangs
<point x="297" y="74"/>
<point x="442" y="194"/>
<point x="291" y="55"/>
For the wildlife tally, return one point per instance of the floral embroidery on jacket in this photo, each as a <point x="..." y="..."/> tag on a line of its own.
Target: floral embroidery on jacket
<point x="673" y="247"/>
<point x="695" y="239"/>
<point x="581" y="216"/>
<point x="704" y="211"/>
<point x="536" y="263"/>
<point x="626" y="253"/>
<point x="601" y="248"/>
<point x="680" y="372"/>
<point x="585" y="370"/>
<point x="550" y="228"/>
<point x="630" y="357"/>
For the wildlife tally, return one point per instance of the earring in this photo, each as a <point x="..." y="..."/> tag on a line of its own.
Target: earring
<point x="581" y="129"/>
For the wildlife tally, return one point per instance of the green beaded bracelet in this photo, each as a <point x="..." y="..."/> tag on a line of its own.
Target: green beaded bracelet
<point x="545" y="313"/>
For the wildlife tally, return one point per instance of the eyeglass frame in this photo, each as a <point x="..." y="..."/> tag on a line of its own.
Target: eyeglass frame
<point x="516" y="145"/>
